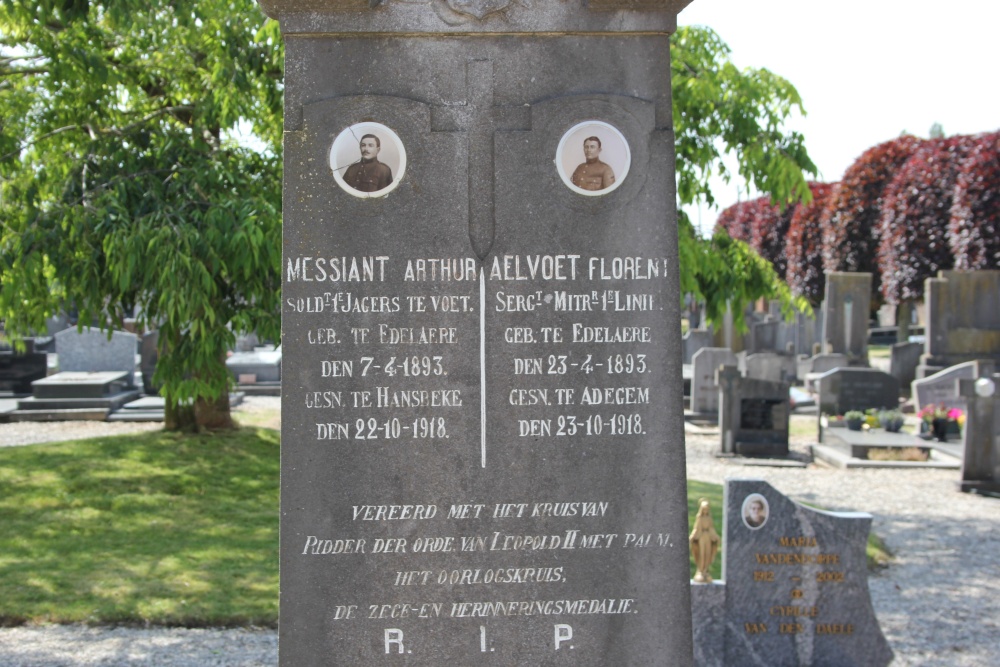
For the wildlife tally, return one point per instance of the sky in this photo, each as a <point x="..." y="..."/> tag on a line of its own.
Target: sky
<point x="866" y="71"/>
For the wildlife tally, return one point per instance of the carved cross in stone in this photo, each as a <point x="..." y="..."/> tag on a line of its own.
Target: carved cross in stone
<point x="481" y="120"/>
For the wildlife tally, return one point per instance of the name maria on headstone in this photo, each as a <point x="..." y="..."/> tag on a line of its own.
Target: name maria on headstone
<point x="482" y="451"/>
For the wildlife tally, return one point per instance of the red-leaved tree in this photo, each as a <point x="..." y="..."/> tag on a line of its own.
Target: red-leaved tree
<point x="974" y="228"/>
<point x="804" y="245"/>
<point x="736" y="220"/>
<point x="851" y="220"/>
<point x="915" y="213"/>
<point x="768" y="229"/>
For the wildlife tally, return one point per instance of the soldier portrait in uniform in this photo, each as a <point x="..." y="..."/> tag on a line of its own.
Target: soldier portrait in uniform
<point x="593" y="158"/>
<point x="754" y="511"/>
<point x="367" y="160"/>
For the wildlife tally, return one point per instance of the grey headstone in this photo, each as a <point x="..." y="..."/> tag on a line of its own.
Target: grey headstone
<point x="518" y="342"/>
<point x="753" y="415"/>
<point x="246" y="343"/>
<point x="981" y="433"/>
<point x="19" y="370"/>
<point x="90" y="351"/>
<point x="704" y="389"/>
<point x="265" y="365"/>
<point x="846" y="313"/>
<point x="942" y="387"/>
<point x="694" y="340"/>
<point x="903" y="361"/>
<point x="821" y="363"/>
<point x="771" y="366"/>
<point x="797" y="584"/>
<point x="962" y="319"/>
<point x="764" y="337"/>
<point x="845" y="389"/>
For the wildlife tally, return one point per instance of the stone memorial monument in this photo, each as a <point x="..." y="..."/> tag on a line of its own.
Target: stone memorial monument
<point x="846" y="314"/>
<point x="795" y="590"/>
<point x="482" y="447"/>
<point x="963" y="319"/>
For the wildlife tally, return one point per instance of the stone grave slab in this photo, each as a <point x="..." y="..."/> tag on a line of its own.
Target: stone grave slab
<point x="771" y="366"/>
<point x="264" y="365"/>
<point x="845" y="389"/>
<point x="71" y="385"/>
<point x="796" y="584"/>
<point x="481" y="357"/>
<point x="19" y="370"/>
<point x="845" y="314"/>
<point x="941" y="388"/>
<point x="981" y="435"/>
<point x="753" y="415"/>
<point x="844" y="448"/>
<point x="91" y="350"/>
<point x="704" y="386"/>
<point x="963" y="319"/>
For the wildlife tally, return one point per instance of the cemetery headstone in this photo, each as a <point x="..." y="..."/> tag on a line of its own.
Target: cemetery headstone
<point x="962" y="320"/>
<point x="764" y="336"/>
<point x="903" y="361"/>
<point x="796" y="583"/>
<point x="846" y="311"/>
<point x="941" y="388"/>
<point x="753" y="415"/>
<point x="845" y="389"/>
<point x="704" y="387"/>
<point x="981" y="433"/>
<point x="93" y="350"/>
<point x="694" y="340"/>
<point x="482" y="462"/>
<point x="19" y="369"/>
<point x="771" y="366"/>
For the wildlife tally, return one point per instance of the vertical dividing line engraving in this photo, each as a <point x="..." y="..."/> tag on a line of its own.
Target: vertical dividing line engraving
<point x="482" y="365"/>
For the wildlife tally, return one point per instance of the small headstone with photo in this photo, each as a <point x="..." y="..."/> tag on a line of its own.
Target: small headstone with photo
<point x="795" y="588"/>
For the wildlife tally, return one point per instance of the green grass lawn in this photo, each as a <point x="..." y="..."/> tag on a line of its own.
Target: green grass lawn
<point x="151" y="528"/>
<point x="154" y="528"/>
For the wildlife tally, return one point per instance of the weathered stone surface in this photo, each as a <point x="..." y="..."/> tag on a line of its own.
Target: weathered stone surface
<point x="91" y="350"/>
<point x="704" y="387"/>
<point x="753" y="415"/>
<point x="264" y="365"/>
<point x="771" y="366"/>
<point x="694" y="340"/>
<point x="846" y="310"/>
<point x="479" y="374"/>
<point x="981" y="434"/>
<point x="845" y="389"/>
<point x="941" y="388"/>
<point x="903" y="361"/>
<point x="963" y="319"/>
<point x="797" y="585"/>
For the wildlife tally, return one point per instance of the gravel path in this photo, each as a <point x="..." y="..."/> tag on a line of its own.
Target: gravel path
<point x="938" y="603"/>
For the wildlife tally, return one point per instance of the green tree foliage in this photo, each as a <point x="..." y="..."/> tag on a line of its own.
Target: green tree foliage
<point x="720" y="109"/>
<point x="121" y="187"/>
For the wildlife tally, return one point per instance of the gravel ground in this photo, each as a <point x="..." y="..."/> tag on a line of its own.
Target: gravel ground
<point x="938" y="603"/>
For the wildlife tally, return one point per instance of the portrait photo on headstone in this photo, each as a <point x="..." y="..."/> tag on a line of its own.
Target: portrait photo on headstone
<point x="593" y="158"/>
<point x="368" y="160"/>
<point x="754" y="511"/>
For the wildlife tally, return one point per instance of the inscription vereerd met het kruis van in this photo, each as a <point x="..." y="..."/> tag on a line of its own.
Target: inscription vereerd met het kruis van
<point x="383" y="357"/>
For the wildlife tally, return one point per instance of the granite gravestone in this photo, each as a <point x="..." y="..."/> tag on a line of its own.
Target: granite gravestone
<point x="903" y="361"/>
<point x="482" y="460"/>
<point x="981" y="434"/>
<point x="963" y="319"/>
<point x="704" y="385"/>
<point x="771" y="366"/>
<point x="796" y="585"/>
<point x="92" y="351"/>
<point x="753" y="415"/>
<point x="845" y="389"/>
<point x="941" y="388"/>
<point x="845" y="315"/>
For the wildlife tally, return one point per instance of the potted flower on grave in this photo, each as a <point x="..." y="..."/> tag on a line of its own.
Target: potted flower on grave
<point x="940" y="420"/>
<point x="891" y="420"/>
<point x="854" y="419"/>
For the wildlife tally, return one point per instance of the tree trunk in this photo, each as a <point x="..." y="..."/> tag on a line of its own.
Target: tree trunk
<point x="213" y="414"/>
<point x="178" y="417"/>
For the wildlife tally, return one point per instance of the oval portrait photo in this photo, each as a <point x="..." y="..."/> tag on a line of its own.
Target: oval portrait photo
<point x="368" y="160"/>
<point x="593" y="158"/>
<point x="754" y="511"/>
